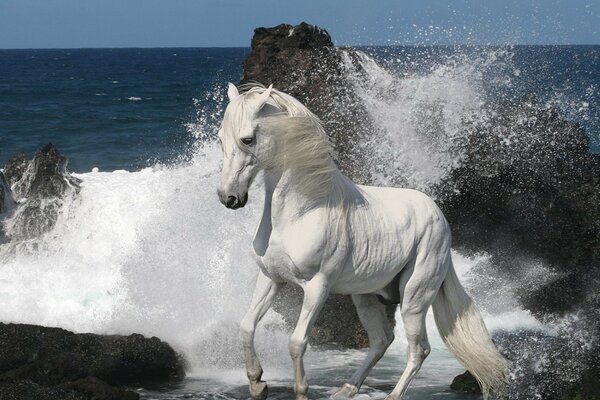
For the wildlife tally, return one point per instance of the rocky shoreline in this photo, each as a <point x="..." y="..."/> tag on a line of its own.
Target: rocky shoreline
<point x="52" y="363"/>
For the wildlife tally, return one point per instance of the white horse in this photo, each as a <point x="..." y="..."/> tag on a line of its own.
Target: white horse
<point x="324" y="233"/>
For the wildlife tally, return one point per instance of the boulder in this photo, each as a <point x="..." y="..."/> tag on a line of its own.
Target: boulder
<point x="529" y="185"/>
<point x="56" y="362"/>
<point x="465" y="383"/>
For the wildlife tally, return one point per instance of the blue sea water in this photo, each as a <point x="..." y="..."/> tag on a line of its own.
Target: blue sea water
<point x="129" y="108"/>
<point x="107" y="108"/>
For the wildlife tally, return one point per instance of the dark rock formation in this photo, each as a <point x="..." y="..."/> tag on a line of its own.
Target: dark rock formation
<point x="40" y="362"/>
<point x="465" y="383"/>
<point x="302" y="61"/>
<point x="530" y="186"/>
<point x="15" y="168"/>
<point x="42" y="184"/>
<point x="528" y="183"/>
<point x="7" y="201"/>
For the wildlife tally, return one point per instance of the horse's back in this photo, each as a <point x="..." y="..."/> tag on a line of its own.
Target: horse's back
<point x="402" y="206"/>
<point x="387" y="232"/>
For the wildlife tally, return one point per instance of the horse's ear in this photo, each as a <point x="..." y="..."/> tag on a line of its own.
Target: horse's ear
<point x="232" y="91"/>
<point x="262" y="99"/>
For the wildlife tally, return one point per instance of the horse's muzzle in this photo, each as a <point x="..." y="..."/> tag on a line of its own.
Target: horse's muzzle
<point x="234" y="202"/>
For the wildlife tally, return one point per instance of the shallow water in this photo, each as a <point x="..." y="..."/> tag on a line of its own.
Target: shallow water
<point x="326" y="372"/>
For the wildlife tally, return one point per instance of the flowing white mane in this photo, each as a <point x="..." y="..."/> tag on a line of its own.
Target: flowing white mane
<point x="300" y="145"/>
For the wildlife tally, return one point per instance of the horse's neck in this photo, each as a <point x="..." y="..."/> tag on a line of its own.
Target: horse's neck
<point x="280" y="197"/>
<point x="283" y="200"/>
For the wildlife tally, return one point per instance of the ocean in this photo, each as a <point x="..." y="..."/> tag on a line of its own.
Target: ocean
<point x="132" y="108"/>
<point x="146" y="247"/>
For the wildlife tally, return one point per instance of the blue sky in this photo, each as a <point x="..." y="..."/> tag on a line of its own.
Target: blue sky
<point x="204" y="23"/>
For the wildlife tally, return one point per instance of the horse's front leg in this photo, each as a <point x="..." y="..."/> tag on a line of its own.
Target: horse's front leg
<point x="264" y="294"/>
<point x="315" y="294"/>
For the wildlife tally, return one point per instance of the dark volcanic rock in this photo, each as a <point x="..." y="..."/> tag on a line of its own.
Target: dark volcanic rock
<point x="7" y="201"/>
<point x="15" y="168"/>
<point x="97" y="389"/>
<point x="28" y="390"/>
<point x="115" y="359"/>
<point x="43" y="183"/>
<point x="86" y="364"/>
<point x="302" y="61"/>
<point x="529" y="184"/>
<point x="45" y="176"/>
<point x="465" y="383"/>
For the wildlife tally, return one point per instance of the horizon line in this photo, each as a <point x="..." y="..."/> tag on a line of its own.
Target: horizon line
<point x="335" y="45"/>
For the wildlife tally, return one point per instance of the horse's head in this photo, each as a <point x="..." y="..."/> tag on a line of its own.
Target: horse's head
<point x="242" y="144"/>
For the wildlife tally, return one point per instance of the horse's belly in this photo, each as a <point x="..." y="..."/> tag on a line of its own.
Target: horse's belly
<point x="377" y="258"/>
<point x="370" y="275"/>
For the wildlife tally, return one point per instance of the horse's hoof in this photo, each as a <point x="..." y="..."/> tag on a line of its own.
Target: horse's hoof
<point x="301" y="397"/>
<point x="259" y="390"/>
<point x="346" y="392"/>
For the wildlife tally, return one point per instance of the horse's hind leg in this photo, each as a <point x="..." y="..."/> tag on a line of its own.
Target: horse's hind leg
<point x="381" y="334"/>
<point x="418" y="295"/>
<point x="264" y="294"/>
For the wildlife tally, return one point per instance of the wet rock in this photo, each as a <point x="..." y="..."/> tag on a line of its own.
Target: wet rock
<point x="28" y="390"/>
<point x="88" y="364"/>
<point x="302" y="61"/>
<point x="15" y="168"/>
<point x="7" y="201"/>
<point x="42" y="186"/>
<point x="97" y="389"/>
<point x="465" y="383"/>
<point x="529" y="184"/>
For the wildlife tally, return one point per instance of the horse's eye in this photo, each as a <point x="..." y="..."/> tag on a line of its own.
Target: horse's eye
<point x="248" y="140"/>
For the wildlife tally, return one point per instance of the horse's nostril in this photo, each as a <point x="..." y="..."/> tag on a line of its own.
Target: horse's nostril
<point x="230" y="201"/>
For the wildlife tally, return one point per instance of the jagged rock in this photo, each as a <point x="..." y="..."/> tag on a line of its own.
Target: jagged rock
<point x="15" y="168"/>
<point x="53" y="360"/>
<point x="302" y="61"/>
<point x="45" y="176"/>
<point x="42" y="184"/>
<point x="7" y="201"/>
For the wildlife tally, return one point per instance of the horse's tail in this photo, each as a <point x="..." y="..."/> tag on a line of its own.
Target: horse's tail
<point x="465" y="334"/>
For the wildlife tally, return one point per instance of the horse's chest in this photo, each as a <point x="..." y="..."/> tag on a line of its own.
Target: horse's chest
<point x="277" y="265"/>
<point x="292" y="253"/>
